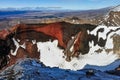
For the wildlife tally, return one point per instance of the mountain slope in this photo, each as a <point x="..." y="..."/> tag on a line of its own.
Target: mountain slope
<point x="96" y="45"/>
<point x="30" y="69"/>
<point x="113" y="17"/>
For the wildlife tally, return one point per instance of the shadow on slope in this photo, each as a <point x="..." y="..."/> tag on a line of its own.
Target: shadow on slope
<point x="30" y="69"/>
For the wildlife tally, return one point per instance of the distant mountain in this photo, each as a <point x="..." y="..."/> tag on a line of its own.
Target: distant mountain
<point x="109" y="16"/>
<point x="85" y="14"/>
<point x="30" y="8"/>
<point x="37" y="40"/>
<point x="30" y="12"/>
<point x="113" y="17"/>
<point x="117" y="8"/>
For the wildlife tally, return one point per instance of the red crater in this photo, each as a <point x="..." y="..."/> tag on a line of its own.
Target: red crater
<point x="61" y="31"/>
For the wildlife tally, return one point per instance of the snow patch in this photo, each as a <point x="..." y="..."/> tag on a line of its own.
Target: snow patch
<point x="104" y="33"/>
<point x="34" y="41"/>
<point x="93" y="48"/>
<point x="117" y="8"/>
<point x="17" y="46"/>
<point x="52" y="56"/>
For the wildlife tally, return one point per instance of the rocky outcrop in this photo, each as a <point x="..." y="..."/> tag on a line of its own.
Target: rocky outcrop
<point x="4" y="51"/>
<point x="112" y="19"/>
<point x="116" y="41"/>
<point x="21" y="38"/>
<point x="28" y="69"/>
<point x="30" y="51"/>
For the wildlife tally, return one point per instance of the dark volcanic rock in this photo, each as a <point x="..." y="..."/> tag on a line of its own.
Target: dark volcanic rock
<point x="115" y="72"/>
<point x="4" y="51"/>
<point x="25" y="33"/>
<point x="116" y="41"/>
<point x="30" y="69"/>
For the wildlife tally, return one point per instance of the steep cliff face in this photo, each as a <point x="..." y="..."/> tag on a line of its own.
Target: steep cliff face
<point x="22" y="39"/>
<point x="116" y="41"/>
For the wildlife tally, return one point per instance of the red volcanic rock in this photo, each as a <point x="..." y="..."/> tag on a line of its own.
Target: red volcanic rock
<point x="4" y="33"/>
<point x="53" y="29"/>
<point x="77" y="44"/>
<point x="25" y="33"/>
<point x="21" y="53"/>
<point x="32" y="50"/>
<point x="61" y="31"/>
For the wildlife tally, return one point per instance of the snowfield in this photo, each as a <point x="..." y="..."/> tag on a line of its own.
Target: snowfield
<point x="117" y="8"/>
<point x="51" y="55"/>
<point x="31" y="69"/>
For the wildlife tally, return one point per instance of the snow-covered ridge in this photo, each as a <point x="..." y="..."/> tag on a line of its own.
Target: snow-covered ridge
<point x="17" y="46"/>
<point x="31" y="69"/>
<point x="112" y="18"/>
<point x="117" y="8"/>
<point x="107" y="33"/>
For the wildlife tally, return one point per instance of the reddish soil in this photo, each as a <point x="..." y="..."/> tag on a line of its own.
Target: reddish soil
<point x="43" y="32"/>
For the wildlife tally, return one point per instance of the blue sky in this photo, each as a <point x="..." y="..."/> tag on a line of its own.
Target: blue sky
<point x="64" y="4"/>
